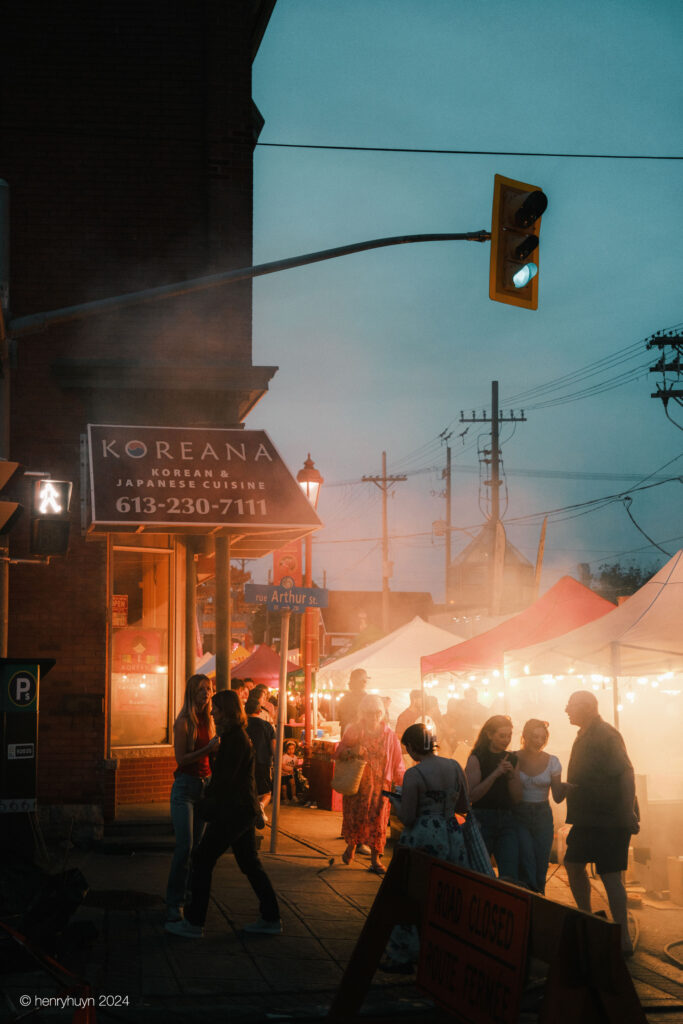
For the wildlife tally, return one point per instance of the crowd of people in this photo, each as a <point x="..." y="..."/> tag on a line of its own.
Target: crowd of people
<point x="495" y="811"/>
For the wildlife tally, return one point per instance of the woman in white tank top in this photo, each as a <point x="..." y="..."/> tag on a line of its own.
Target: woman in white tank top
<point x="540" y="774"/>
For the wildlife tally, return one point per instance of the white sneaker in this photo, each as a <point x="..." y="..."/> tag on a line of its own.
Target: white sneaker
<point x="184" y="929"/>
<point x="174" y="914"/>
<point x="262" y="927"/>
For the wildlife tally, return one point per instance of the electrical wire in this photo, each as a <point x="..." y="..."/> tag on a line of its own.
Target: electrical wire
<point x="627" y="502"/>
<point x="666" y="413"/>
<point x="467" y="152"/>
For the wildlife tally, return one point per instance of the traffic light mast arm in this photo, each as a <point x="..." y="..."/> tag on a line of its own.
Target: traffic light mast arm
<point x="41" y="321"/>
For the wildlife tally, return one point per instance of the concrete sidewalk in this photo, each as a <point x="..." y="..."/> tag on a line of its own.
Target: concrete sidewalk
<point x="138" y="972"/>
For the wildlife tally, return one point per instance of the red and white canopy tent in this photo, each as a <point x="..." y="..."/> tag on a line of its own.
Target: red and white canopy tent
<point x="566" y="605"/>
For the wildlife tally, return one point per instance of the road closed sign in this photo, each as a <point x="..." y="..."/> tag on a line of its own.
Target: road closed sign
<point x="473" y="945"/>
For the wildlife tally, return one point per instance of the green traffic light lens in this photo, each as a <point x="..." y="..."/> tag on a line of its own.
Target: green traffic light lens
<point x="524" y="275"/>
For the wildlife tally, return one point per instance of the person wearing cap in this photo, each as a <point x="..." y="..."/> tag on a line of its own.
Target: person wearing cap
<point x="348" y="705"/>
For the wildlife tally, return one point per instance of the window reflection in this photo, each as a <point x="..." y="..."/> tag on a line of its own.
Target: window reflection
<point x="140" y="647"/>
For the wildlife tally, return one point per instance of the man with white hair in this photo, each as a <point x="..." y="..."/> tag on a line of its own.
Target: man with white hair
<point x="601" y="808"/>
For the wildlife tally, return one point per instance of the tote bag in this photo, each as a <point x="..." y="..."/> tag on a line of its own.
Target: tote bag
<point x="477" y="855"/>
<point x="347" y="776"/>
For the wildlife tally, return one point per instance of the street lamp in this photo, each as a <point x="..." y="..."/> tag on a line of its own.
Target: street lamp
<point x="309" y="479"/>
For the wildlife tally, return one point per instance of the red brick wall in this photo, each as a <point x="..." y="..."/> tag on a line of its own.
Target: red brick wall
<point x="144" y="780"/>
<point x="127" y="140"/>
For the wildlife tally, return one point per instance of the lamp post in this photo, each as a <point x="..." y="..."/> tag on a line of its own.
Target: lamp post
<point x="309" y="479"/>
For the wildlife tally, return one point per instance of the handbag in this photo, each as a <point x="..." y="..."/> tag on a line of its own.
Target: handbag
<point x="478" y="856"/>
<point x="347" y="776"/>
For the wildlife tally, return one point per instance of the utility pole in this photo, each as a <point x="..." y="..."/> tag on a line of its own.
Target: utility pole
<point x="445" y="438"/>
<point x="673" y="388"/>
<point x="492" y="458"/>
<point x="384" y="483"/>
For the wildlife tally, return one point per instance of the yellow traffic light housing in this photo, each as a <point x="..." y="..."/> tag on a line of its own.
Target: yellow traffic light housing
<point x="515" y="228"/>
<point x="9" y="510"/>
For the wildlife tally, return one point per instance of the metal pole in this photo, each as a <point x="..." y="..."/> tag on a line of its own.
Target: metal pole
<point x="385" y="549"/>
<point x="448" y="520"/>
<point x="306" y="648"/>
<point x="495" y="454"/>
<point x="280" y="731"/>
<point x="4" y="404"/>
<point x="190" y="606"/>
<point x="495" y="498"/>
<point x="616" y="668"/>
<point x="39" y="321"/>
<point x="223" y="623"/>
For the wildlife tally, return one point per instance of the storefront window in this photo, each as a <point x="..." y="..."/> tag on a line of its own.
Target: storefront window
<point x="140" y="607"/>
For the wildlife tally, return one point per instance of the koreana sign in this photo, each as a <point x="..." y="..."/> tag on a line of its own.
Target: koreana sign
<point x="174" y="478"/>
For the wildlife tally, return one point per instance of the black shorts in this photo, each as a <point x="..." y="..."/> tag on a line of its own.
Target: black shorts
<point x="263" y="774"/>
<point x="607" y="848"/>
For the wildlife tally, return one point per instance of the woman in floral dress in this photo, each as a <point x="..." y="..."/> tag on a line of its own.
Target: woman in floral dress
<point x="366" y="813"/>
<point x="434" y="789"/>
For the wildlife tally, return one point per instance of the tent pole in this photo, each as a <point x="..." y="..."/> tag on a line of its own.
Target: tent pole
<point x="614" y="650"/>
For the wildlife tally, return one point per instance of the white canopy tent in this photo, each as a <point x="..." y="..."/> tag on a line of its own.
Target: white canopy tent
<point x="392" y="663"/>
<point x="643" y="635"/>
<point x="634" y="655"/>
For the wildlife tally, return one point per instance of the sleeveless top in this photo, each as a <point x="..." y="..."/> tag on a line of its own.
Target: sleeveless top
<point x="535" y="788"/>
<point x="440" y="803"/>
<point x="498" y="797"/>
<point x="200" y="769"/>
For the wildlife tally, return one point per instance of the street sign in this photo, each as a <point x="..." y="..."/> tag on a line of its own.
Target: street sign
<point x="286" y="597"/>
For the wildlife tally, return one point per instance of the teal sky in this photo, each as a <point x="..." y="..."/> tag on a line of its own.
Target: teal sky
<point x="381" y="350"/>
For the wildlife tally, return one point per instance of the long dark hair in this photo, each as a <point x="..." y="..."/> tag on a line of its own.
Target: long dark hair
<point x="230" y="705"/>
<point x="491" y="725"/>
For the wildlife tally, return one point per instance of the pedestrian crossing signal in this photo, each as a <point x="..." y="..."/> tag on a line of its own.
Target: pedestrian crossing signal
<point x="50" y="520"/>
<point x="515" y="227"/>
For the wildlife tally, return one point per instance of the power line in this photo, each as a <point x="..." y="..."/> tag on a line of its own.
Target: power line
<point x="469" y="152"/>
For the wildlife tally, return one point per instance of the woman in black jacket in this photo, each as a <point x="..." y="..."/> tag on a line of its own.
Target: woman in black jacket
<point x="232" y="809"/>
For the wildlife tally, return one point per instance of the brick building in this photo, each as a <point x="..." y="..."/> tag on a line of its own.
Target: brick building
<point x="128" y="131"/>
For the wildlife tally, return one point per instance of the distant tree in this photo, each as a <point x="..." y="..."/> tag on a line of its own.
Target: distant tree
<point x="615" y="580"/>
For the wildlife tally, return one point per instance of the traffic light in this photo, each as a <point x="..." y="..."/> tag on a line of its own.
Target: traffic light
<point x="50" y="520"/>
<point x="515" y="227"/>
<point x="9" y="510"/>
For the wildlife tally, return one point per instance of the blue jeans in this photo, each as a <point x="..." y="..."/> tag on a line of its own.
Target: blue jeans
<point x="536" y="830"/>
<point x="189" y="829"/>
<point x="499" y="831"/>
